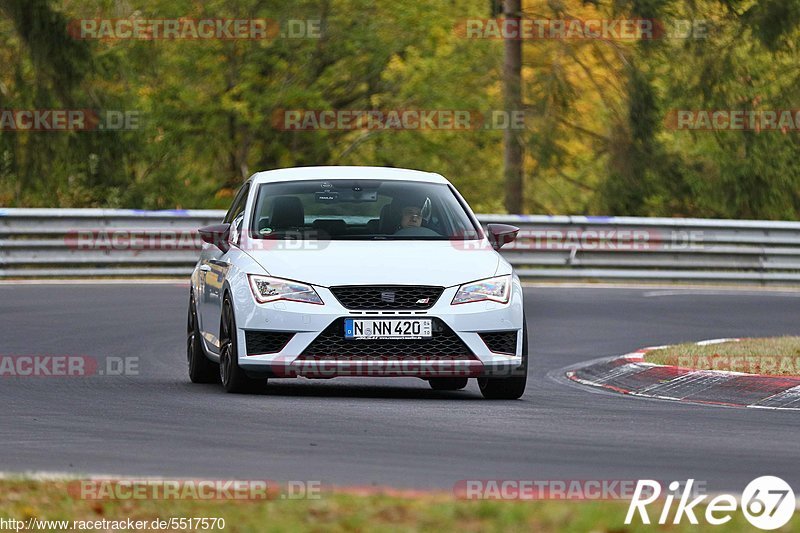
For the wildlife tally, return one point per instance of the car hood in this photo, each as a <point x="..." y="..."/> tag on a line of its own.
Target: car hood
<point x="441" y="263"/>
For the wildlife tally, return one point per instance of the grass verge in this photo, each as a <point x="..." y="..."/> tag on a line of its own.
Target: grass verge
<point x="778" y="356"/>
<point x="344" y="511"/>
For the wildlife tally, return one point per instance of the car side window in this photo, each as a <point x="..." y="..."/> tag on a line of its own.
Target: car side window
<point x="236" y="213"/>
<point x="237" y="208"/>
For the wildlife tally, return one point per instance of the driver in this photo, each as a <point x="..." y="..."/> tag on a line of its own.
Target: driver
<point x="410" y="212"/>
<point x="411" y="217"/>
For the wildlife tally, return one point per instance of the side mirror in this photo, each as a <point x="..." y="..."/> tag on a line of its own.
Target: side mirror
<point x="217" y="235"/>
<point x="501" y="234"/>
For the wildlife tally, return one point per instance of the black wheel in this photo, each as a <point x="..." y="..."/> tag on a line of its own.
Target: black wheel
<point x="201" y="368"/>
<point x="448" y="383"/>
<point x="233" y="378"/>
<point x="510" y="388"/>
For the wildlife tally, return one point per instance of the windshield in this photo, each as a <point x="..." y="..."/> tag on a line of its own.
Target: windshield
<point x="360" y="210"/>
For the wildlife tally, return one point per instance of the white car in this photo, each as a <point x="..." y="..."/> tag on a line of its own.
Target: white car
<point x="326" y="272"/>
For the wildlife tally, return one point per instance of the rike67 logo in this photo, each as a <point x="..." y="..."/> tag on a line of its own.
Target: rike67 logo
<point x="767" y="502"/>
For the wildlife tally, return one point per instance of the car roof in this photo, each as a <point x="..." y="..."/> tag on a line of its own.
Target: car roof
<point x="346" y="172"/>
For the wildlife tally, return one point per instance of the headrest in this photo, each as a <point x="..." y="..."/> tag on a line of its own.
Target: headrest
<point x="287" y="212"/>
<point x="330" y="226"/>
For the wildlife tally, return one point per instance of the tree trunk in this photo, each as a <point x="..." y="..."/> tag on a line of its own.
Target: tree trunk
<point x="512" y="82"/>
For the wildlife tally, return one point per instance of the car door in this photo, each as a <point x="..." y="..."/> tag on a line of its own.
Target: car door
<point x="214" y="265"/>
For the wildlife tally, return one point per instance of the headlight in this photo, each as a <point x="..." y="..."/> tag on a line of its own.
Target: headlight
<point x="267" y="289"/>
<point x="492" y="289"/>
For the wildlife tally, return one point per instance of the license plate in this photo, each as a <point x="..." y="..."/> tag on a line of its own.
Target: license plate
<point x="416" y="328"/>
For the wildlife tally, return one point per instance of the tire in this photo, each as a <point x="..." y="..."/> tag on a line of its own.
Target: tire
<point x="511" y="388"/>
<point x="201" y="368"/>
<point x="448" y="383"/>
<point x="233" y="378"/>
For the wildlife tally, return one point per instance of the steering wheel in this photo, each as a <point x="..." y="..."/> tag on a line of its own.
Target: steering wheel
<point x="416" y="232"/>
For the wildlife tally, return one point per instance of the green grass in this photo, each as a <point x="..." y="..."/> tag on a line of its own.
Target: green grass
<point x="345" y="512"/>
<point x="774" y="356"/>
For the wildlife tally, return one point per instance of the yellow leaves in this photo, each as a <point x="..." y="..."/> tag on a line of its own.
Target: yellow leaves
<point x="224" y="194"/>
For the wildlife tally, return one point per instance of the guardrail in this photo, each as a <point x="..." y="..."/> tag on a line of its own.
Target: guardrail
<point x="38" y="243"/>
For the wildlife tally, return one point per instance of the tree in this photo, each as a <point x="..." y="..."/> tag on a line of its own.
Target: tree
<point x="512" y="83"/>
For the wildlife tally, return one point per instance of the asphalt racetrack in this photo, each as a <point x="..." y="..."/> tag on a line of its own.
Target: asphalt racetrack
<point x="387" y="432"/>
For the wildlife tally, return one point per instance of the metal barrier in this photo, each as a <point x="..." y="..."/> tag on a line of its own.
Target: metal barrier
<point x="37" y="243"/>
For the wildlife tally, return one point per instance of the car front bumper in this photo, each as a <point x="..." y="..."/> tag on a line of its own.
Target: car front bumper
<point x="308" y="321"/>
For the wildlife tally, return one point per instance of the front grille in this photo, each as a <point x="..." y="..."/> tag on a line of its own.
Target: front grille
<point x="378" y="297"/>
<point x="444" y="345"/>
<point x="260" y="342"/>
<point x="501" y="341"/>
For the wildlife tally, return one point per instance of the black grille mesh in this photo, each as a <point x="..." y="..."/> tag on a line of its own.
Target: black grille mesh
<point x="501" y="341"/>
<point x="380" y="297"/>
<point x="259" y="342"/>
<point x="444" y="345"/>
